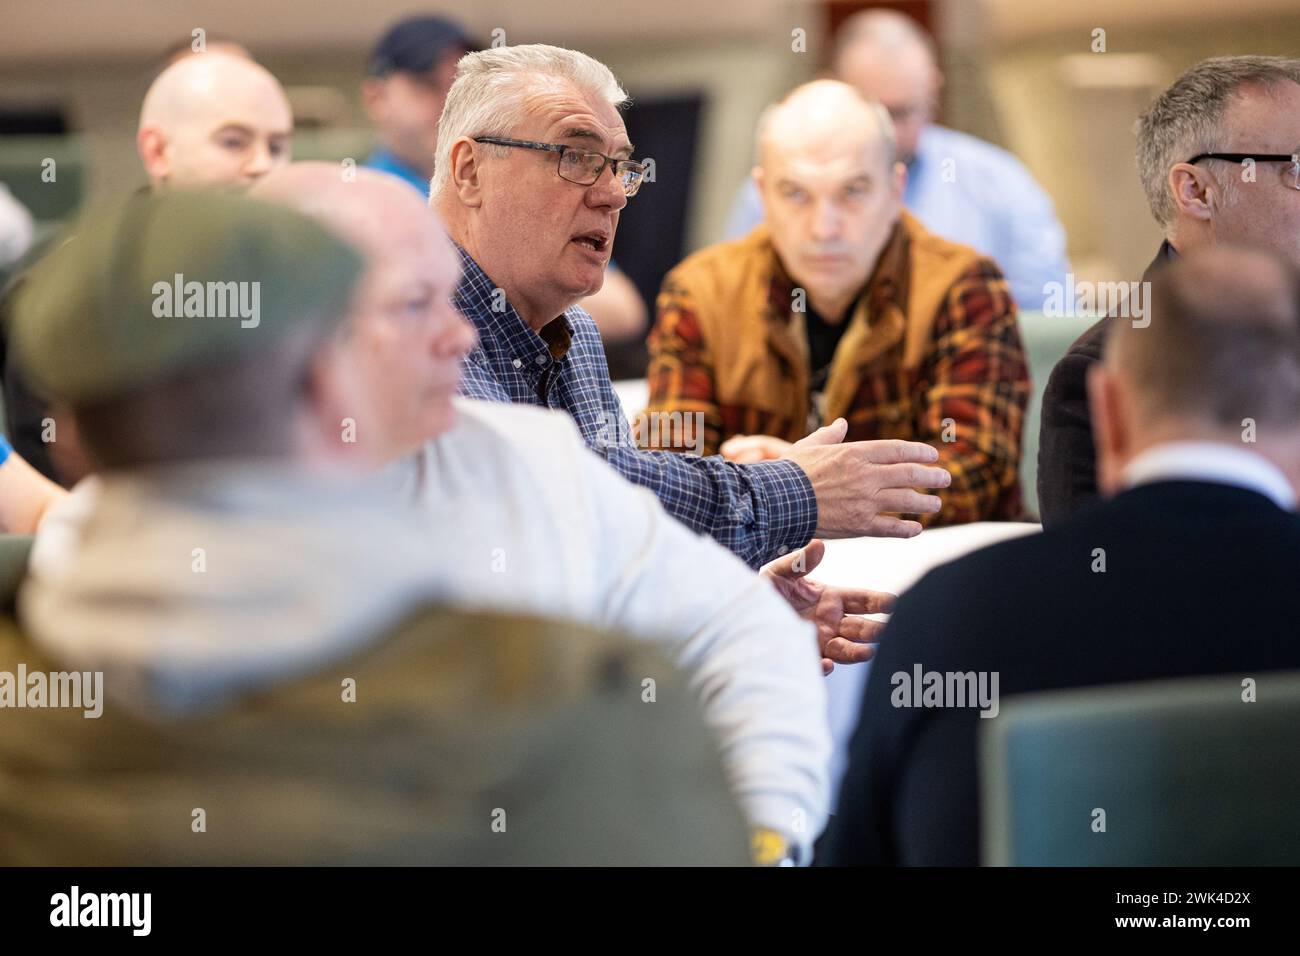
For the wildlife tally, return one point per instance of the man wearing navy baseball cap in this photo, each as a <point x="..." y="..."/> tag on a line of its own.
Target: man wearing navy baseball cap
<point x="408" y="75"/>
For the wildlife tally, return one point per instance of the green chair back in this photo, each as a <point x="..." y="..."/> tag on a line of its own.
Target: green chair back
<point x="1046" y="340"/>
<point x="1200" y="772"/>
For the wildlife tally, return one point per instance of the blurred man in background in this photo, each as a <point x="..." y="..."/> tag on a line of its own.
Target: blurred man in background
<point x="211" y="119"/>
<point x="408" y="75"/>
<point x="842" y="305"/>
<point x="192" y="46"/>
<point x="1117" y="592"/>
<point x="1218" y="153"/>
<point x="411" y="70"/>
<point x="252" y="604"/>
<point x="959" y="187"/>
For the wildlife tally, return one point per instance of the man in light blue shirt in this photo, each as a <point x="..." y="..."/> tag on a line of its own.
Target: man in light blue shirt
<point x="409" y="73"/>
<point x="960" y="187"/>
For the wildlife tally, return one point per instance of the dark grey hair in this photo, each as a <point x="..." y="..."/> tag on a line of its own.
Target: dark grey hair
<point x="1187" y="119"/>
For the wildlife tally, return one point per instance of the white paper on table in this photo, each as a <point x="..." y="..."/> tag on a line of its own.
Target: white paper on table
<point x="889" y="564"/>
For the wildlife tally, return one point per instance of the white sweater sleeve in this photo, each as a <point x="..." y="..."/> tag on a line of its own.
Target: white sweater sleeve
<point x="753" y="663"/>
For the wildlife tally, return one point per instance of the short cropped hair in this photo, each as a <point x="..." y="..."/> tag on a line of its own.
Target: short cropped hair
<point x="487" y="96"/>
<point x="1187" y="118"/>
<point x="235" y="407"/>
<point x="1222" y="346"/>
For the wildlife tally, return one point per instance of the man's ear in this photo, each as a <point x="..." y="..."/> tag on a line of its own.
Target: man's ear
<point x="335" y="419"/>
<point x="760" y="183"/>
<point x="151" y="144"/>
<point x="466" y="172"/>
<point x="1110" y="433"/>
<point x="898" y="182"/>
<point x="1190" y="188"/>
<point x="372" y="97"/>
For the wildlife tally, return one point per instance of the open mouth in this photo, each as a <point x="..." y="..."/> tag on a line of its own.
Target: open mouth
<point x="595" y="241"/>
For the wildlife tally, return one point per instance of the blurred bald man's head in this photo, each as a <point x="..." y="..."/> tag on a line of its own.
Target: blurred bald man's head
<point x="889" y="58"/>
<point x="214" y="119"/>
<point x="185" y="48"/>
<point x="1220" y="361"/>
<point x="406" y="335"/>
<point x="831" y="188"/>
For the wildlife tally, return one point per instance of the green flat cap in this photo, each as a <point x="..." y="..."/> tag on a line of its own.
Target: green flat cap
<point x="164" y="281"/>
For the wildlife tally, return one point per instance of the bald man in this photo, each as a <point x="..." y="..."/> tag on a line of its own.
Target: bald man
<point x="960" y="187"/>
<point x="214" y="119"/>
<point x="210" y="119"/>
<point x="842" y="305"/>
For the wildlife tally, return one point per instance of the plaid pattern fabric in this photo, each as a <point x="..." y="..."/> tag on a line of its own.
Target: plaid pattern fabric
<point x="757" y="511"/>
<point x="965" y="395"/>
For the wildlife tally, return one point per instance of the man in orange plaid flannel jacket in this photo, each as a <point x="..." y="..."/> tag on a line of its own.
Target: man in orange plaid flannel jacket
<point x="842" y="305"/>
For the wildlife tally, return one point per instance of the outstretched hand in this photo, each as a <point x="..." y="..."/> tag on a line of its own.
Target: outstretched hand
<point x="843" y="635"/>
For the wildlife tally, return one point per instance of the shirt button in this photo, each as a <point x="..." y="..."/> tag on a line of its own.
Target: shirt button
<point x="541" y="360"/>
<point x="519" y="363"/>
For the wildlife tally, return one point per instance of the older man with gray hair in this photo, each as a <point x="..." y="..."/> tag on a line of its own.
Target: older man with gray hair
<point x="533" y="168"/>
<point x="1218" y="153"/>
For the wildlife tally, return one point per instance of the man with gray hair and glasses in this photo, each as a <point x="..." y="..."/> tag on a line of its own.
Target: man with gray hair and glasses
<point x="525" y="143"/>
<point x="1219" y="157"/>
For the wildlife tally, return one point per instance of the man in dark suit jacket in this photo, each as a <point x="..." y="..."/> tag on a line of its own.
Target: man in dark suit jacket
<point x="1189" y="569"/>
<point x="1246" y="105"/>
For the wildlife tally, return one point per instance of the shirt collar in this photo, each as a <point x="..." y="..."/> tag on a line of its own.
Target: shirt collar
<point x="924" y="142"/>
<point x="484" y="303"/>
<point x="1213" y="462"/>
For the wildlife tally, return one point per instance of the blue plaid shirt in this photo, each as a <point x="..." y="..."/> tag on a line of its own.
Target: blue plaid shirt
<point x="758" y="511"/>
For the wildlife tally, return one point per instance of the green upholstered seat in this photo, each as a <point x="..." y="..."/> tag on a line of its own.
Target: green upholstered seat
<point x="1185" y="772"/>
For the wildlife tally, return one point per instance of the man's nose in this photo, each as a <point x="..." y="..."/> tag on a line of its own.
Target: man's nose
<point x="260" y="164"/>
<point x="825" y="221"/>
<point x="456" y="337"/>
<point x="607" y="191"/>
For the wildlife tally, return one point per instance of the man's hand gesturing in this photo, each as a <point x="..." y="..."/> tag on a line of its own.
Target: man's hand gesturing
<point x="843" y="636"/>
<point x="861" y="484"/>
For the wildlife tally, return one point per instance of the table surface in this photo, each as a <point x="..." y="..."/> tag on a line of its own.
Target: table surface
<point x="889" y="564"/>
<point x="882" y="564"/>
<point x="634" y="393"/>
<point x="892" y="564"/>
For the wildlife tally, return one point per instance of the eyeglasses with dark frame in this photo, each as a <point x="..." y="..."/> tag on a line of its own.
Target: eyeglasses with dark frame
<point x="1293" y="159"/>
<point x="582" y="167"/>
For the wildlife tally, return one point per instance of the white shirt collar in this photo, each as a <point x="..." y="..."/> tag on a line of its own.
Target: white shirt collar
<point x="1213" y="462"/>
